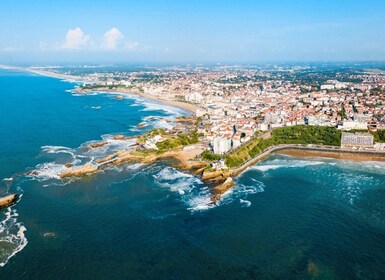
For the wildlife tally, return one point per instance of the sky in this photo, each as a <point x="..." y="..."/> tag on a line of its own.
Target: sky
<point x="190" y="31"/>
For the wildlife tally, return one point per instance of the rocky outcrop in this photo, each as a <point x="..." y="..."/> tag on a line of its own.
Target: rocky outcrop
<point x="86" y="169"/>
<point x="213" y="176"/>
<point x="8" y="200"/>
<point x="96" y="145"/>
<point x="192" y="165"/>
<point x="120" y="137"/>
<point x="219" y="190"/>
<point x="198" y="171"/>
<point x="142" y="124"/>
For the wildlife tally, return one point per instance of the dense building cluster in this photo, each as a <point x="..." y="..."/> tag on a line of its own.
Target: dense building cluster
<point x="236" y="102"/>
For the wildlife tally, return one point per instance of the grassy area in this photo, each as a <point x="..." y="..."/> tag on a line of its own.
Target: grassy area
<point x="286" y="135"/>
<point x="180" y="140"/>
<point x="379" y="136"/>
<point x="157" y="131"/>
<point x="171" y="141"/>
<point x="209" y="156"/>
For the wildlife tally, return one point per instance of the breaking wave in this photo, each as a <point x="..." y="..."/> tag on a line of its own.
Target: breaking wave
<point x="12" y="235"/>
<point x="196" y="195"/>
<point x="285" y="163"/>
<point x="192" y="191"/>
<point x="62" y="156"/>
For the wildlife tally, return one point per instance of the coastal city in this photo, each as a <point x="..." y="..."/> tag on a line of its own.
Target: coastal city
<point x="236" y="102"/>
<point x="192" y="139"/>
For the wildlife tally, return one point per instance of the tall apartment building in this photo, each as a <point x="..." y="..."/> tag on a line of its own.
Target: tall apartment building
<point x="221" y="145"/>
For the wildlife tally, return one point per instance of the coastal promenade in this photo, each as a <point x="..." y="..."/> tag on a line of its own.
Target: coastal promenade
<point x="315" y="150"/>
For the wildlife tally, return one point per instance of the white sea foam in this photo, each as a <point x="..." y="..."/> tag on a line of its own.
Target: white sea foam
<point x="175" y="180"/>
<point x="111" y="146"/>
<point x="153" y="106"/>
<point x="197" y="196"/>
<point x="375" y="167"/>
<point x="58" y="150"/>
<point x="201" y="201"/>
<point x="191" y="190"/>
<point x="284" y="163"/>
<point x="12" y="233"/>
<point x="48" y="170"/>
<point x="134" y="166"/>
<point x="244" y="202"/>
<point x="162" y="124"/>
<point x="350" y="186"/>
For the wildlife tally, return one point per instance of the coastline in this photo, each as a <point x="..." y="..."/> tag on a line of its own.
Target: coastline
<point x="43" y="73"/>
<point x="331" y="154"/>
<point x="191" y="108"/>
<point x="311" y="151"/>
<point x="55" y="75"/>
<point x="186" y="157"/>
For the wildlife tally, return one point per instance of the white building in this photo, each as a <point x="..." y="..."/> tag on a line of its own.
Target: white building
<point x="221" y="145"/>
<point x="349" y="125"/>
<point x="327" y="87"/>
<point x="356" y="140"/>
<point x="194" y="97"/>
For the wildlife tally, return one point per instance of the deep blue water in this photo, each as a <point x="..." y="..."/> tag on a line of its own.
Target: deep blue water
<point x="288" y="218"/>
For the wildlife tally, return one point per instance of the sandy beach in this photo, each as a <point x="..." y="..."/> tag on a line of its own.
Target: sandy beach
<point x="335" y="155"/>
<point x="186" y="106"/>
<point x="55" y="75"/>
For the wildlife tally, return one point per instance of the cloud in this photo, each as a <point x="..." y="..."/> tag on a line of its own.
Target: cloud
<point x="131" y="45"/>
<point x="76" y="39"/>
<point x="112" y="38"/>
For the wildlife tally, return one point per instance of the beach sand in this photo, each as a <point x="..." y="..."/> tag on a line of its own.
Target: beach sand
<point x="55" y="75"/>
<point x="183" y="105"/>
<point x="335" y="155"/>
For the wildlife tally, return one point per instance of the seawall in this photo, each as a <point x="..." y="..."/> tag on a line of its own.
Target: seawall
<point x="316" y="149"/>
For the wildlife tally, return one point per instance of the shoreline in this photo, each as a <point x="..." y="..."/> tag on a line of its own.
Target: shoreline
<point x="359" y="157"/>
<point x="184" y="157"/>
<point x="311" y="151"/>
<point x="191" y="108"/>
<point x="43" y="73"/>
<point x="55" y="75"/>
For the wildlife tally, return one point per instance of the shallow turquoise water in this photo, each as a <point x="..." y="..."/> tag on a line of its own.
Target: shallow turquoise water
<point x="290" y="218"/>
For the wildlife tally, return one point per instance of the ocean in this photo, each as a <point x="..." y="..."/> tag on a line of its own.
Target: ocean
<point x="287" y="217"/>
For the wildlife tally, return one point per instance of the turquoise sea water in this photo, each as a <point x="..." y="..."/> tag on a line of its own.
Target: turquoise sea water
<point x="288" y="217"/>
